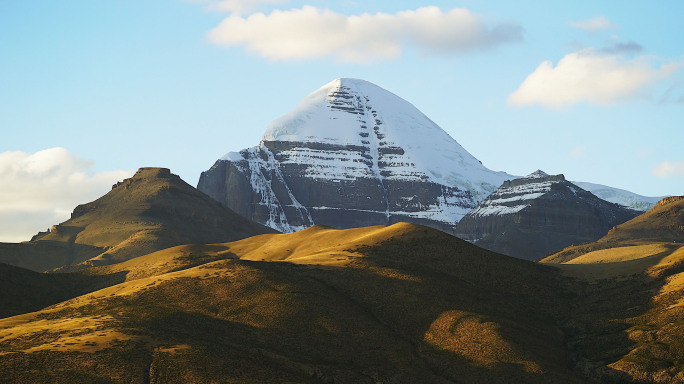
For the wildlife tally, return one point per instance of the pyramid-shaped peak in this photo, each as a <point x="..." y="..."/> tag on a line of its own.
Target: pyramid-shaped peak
<point x="537" y="177"/>
<point x="538" y="174"/>
<point x="356" y="114"/>
<point x="350" y="81"/>
<point x="337" y="112"/>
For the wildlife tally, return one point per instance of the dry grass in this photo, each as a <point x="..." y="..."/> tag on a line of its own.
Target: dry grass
<point x="398" y="304"/>
<point x="477" y="340"/>
<point x="619" y="254"/>
<point x="630" y="327"/>
<point x="410" y="305"/>
<point x="69" y="334"/>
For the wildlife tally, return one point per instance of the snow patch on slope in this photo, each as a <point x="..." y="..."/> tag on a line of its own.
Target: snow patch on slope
<point x="620" y="196"/>
<point x="249" y="162"/>
<point x="508" y="200"/>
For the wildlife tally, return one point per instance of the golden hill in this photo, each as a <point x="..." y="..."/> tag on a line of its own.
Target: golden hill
<point x="630" y="314"/>
<point x="664" y="223"/>
<point x="398" y="304"/>
<point x="152" y="210"/>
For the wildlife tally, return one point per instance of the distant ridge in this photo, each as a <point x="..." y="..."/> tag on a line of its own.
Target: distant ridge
<point x="537" y="214"/>
<point x="664" y="223"/>
<point x="620" y="196"/>
<point x="636" y="280"/>
<point x="150" y="211"/>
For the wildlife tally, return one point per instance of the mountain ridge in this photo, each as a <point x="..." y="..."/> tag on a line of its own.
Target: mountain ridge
<point x="532" y="216"/>
<point x="351" y="154"/>
<point x="152" y="210"/>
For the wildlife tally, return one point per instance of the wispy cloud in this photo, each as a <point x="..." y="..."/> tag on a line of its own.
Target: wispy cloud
<point x="673" y="94"/>
<point x="313" y="33"/>
<point x="591" y="25"/>
<point x="620" y="48"/>
<point x="667" y="169"/>
<point x="591" y="76"/>
<point x="236" y="6"/>
<point x="40" y="189"/>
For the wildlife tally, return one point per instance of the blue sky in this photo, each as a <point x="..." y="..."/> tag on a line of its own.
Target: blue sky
<point x="91" y="90"/>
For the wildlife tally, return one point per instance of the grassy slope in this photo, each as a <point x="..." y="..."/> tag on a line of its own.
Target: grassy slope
<point x="152" y="210"/>
<point x="629" y="323"/>
<point x="392" y="304"/>
<point x="664" y="223"/>
<point x="22" y="290"/>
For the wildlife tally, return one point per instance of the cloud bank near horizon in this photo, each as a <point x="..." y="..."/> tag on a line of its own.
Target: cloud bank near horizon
<point x="41" y="189"/>
<point x="314" y="33"/>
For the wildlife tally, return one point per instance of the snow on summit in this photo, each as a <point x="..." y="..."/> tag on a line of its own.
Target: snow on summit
<point x="516" y="195"/>
<point x="353" y="112"/>
<point x="352" y="154"/>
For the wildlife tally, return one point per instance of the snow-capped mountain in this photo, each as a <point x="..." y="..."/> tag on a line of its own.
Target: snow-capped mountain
<point x="536" y="214"/>
<point x="352" y="154"/>
<point x="620" y="196"/>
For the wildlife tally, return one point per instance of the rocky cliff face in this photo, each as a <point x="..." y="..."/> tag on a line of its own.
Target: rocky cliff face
<point x="351" y="154"/>
<point x="532" y="216"/>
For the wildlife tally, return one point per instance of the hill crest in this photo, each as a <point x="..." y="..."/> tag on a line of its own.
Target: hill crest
<point x="152" y="210"/>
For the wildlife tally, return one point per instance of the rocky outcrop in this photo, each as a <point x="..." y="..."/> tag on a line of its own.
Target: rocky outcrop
<point x="350" y="155"/>
<point x="535" y="215"/>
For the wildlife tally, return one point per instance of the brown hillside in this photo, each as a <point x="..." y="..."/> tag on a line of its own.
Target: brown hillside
<point x="629" y="316"/>
<point x="152" y="210"/>
<point x="398" y="304"/>
<point x="24" y="291"/>
<point x="664" y="223"/>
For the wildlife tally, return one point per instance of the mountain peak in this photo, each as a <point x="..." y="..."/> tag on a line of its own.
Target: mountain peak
<point x="357" y="113"/>
<point x="537" y="177"/>
<point x="538" y="174"/>
<point x="531" y="216"/>
<point x="333" y="113"/>
<point x="355" y="150"/>
<point x="152" y="210"/>
<point x="350" y="81"/>
<point x="153" y="172"/>
<point x="148" y="174"/>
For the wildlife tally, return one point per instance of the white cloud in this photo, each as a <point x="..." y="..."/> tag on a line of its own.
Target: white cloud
<point x="591" y="25"/>
<point x="310" y="33"/>
<point x="667" y="169"/>
<point x="41" y="189"/>
<point x="589" y="75"/>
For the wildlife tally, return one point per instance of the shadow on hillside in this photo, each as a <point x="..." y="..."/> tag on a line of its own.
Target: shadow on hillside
<point x="370" y="321"/>
<point x="26" y="291"/>
<point x="45" y="255"/>
<point x="604" y="314"/>
<point x="424" y="309"/>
